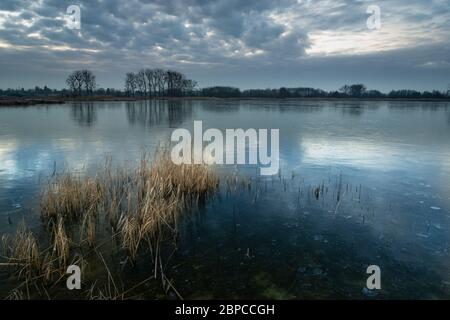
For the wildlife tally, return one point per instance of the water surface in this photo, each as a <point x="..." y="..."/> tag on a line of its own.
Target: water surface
<point x="383" y="169"/>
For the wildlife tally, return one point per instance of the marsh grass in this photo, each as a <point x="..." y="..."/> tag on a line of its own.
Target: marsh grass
<point x="140" y="207"/>
<point x="31" y="262"/>
<point x="60" y="249"/>
<point x="88" y="228"/>
<point x="15" y="294"/>
<point x="67" y="196"/>
<point x="23" y="252"/>
<point x="163" y="190"/>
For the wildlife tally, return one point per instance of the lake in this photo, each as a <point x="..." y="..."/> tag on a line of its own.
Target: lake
<point x="383" y="170"/>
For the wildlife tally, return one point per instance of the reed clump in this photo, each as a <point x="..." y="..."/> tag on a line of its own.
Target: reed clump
<point x="194" y="180"/>
<point x="138" y="203"/>
<point x="23" y="252"/>
<point x="25" y="256"/>
<point x="163" y="190"/>
<point x="67" y="196"/>
<point x="139" y="206"/>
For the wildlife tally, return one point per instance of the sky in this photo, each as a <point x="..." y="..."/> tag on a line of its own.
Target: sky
<point x="246" y="44"/>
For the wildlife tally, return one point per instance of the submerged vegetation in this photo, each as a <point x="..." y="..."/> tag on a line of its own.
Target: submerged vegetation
<point x="139" y="207"/>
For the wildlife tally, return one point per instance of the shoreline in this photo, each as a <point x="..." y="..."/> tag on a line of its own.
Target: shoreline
<point x="24" y="101"/>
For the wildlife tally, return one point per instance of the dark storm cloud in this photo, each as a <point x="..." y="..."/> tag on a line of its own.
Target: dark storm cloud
<point x="244" y="43"/>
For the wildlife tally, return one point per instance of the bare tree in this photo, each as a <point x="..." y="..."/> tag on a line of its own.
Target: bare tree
<point x="152" y="81"/>
<point x="358" y="90"/>
<point x="189" y="86"/>
<point x="130" y="83"/>
<point x="71" y="83"/>
<point x="141" y="82"/>
<point x="79" y="79"/>
<point x="75" y="82"/>
<point x="161" y="79"/>
<point x="178" y="83"/>
<point x="88" y="79"/>
<point x="174" y="82"/>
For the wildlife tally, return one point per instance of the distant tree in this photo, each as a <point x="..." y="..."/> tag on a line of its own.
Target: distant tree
<point x="130" y="83"/>
<point x="373" y="94"/>
<point x="89" y="82"/>
<point x="47" y="91"/>
<point x="409" y="94"/>
<point x="71" y="83"/>
<point x="171" y="78"/>
<point x="283" y="92"/>
<point x="141" y="82"/>
<point x="189" y="86"/>
<point x="152" y="81"/>
<point x="161" y="80"/>
<point x="221" y="92"/>
<point x="354" y="90"/>
<point x="75" y="82"/>
<point x="179" y="80"/>
<point x="357" y="90"/>
<point x="346" y="90"/>
<point x="78" y="80"/>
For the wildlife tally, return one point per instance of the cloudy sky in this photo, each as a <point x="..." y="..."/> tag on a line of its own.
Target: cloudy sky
<point x="247" y="43"/>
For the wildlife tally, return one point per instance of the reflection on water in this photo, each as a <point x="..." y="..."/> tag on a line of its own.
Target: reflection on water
<point x="85" y="114"/>
<point x="361" y="183"/>
<point x="154" y="113"/>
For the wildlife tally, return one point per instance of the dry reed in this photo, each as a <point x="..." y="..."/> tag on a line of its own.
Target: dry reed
<point x="137" y="203"/>
<point x="68" y="197"/>
<point x="60" y="244"/>
<point x="140" y="205"/>
<point x="22" y="252"/>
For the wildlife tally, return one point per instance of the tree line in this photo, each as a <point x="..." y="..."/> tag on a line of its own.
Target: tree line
<point x="158" y="82"/>
<point x="346" y="91"/>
